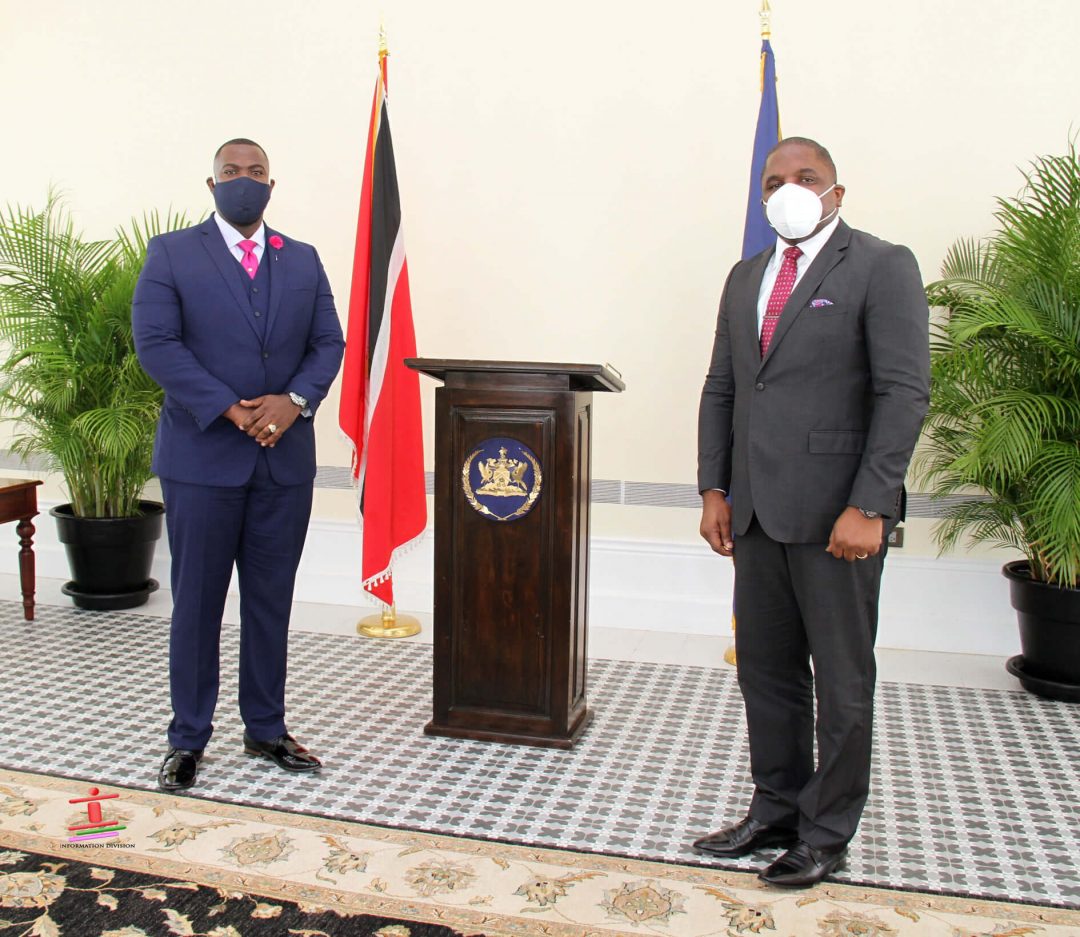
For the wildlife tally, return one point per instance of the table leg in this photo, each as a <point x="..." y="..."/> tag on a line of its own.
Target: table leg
<point x="25" y="530"/>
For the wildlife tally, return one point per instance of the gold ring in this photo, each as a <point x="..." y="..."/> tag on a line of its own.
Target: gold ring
<point x="272" y="427"/>
<point x="861" y="556"/>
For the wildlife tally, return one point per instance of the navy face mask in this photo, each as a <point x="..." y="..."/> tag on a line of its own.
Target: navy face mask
<point x="241" y="201"/>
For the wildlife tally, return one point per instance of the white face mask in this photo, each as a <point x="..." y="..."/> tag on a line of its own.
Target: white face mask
<point x="794" y="210"/>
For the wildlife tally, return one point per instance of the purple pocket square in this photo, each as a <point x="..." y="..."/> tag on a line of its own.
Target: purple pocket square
<point x="818" y="303"/>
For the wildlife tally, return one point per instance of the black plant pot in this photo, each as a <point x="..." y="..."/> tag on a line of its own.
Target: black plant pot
<point x="110" y="557"/>
<point x="1049" y="618"/>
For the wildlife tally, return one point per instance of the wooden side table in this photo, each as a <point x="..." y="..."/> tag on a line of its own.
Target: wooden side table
<point x="18" y="502"/>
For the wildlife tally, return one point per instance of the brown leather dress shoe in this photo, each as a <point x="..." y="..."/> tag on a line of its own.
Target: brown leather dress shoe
<point x="745" y="837"/>
<point x="180" y="769"/>
<point x="803" y="865"/>
<point x="284" y="751"/>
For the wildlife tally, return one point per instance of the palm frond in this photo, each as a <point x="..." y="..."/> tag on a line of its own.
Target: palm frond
<point x="1005" y="378"/>
<point x="70" y="379"/>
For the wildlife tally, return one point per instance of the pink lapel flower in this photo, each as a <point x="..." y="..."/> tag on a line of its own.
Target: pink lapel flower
<point x="276" y="242"/>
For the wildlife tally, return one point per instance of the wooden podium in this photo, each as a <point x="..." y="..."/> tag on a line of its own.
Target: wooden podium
<point x="513" y="444"/>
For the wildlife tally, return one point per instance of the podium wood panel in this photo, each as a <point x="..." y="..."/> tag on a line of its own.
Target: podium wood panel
<point x="511" y="598"/>
<point x="502" y="577"/>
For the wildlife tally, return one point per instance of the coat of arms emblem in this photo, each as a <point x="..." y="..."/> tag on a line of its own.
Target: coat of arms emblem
<point x="502" y="479"/>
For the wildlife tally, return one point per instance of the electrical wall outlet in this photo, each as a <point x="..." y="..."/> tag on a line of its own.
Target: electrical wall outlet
<point x="895" y="539"/>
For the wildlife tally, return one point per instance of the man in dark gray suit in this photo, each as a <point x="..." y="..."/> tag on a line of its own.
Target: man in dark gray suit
<point x="817" y="388"/>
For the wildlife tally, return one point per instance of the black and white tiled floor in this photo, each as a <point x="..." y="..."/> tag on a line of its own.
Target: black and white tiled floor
<point x="975" y="792"/>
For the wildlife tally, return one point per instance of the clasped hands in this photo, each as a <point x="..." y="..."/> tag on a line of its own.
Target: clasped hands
<point x="853" y="536"/>
<point x="265" y="418"/>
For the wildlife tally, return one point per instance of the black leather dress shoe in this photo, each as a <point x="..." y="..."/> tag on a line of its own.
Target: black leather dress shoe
<point x="284" y="751"/>
<point x="180" y="769"/>
<point x="745" y="837"/>
<point x="803" y="865"/>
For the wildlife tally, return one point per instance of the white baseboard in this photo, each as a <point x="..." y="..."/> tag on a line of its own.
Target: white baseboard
<point x="948" y="605"/>
<point x="927" y="604"/>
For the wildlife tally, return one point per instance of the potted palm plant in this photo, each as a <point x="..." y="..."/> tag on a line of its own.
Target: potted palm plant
<point x="1004" y="420"/>
<point x="72" y="385"/>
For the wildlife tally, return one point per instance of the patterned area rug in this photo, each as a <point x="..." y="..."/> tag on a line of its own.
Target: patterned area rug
<point x="973" y="793"/>
<point x="183" y="866"/>
<point x="39" y="896"/>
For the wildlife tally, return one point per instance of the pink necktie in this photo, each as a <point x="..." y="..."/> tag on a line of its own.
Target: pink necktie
<point x="785" y="283"/>
<point x="251" y="263"/>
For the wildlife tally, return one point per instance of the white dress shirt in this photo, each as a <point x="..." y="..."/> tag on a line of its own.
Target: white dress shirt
<point x="810" y="248"/>
<point x="234" y="237"/>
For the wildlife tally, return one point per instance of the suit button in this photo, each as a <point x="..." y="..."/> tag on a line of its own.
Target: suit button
<point x="759" y="386"/>
<point x="266" y="355"/>
<point x="254" y="289"/>
<point x="257" y="313"/>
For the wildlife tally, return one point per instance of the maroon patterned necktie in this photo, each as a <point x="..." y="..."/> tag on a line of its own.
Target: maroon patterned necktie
<point x="785" y="283"/>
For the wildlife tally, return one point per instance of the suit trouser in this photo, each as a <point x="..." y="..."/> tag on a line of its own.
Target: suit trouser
<point x="797" y="602"/>
<point x="260" y="527"/>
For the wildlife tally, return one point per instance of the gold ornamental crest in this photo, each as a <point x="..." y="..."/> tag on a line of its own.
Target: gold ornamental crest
<point x="502" y="479"/>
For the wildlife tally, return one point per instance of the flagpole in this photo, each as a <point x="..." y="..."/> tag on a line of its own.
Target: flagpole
<point x="765" y="16"/>
<point x="388" y="623"/>
<point x="384" y="50"/>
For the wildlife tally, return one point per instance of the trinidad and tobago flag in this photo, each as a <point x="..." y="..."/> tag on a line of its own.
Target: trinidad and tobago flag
<point x="380" y="397"/>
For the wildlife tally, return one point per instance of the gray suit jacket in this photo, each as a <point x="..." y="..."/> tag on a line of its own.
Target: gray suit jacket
<point x="832" y="413"/>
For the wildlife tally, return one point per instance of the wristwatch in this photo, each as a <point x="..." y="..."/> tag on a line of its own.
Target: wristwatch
<point x="301" y="402"/>
<point x="869" y="515"/>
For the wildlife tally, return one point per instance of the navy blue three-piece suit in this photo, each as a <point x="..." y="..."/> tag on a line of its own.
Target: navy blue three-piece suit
<point x="211" y="336"/>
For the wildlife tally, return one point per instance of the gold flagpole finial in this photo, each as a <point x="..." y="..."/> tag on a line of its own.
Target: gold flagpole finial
<point x="764" y="14"/>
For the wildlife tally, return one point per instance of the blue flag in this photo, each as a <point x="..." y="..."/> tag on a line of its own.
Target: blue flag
<point x="757" y="235"/>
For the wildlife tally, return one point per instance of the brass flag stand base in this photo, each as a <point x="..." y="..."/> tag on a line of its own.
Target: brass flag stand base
<point x="388" y="625"/>
<point x="729" y="654"/>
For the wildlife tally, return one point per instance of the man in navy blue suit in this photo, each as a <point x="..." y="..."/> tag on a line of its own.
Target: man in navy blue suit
<point x="237" y="324"/>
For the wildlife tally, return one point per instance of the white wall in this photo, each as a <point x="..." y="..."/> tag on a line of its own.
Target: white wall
<point x="573" y="175"/>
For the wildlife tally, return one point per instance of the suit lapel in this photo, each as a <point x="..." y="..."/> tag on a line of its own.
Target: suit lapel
<point x="747" y="304"/>
<point x="278" y="278"/>
<point x="225" y="262"/>
<point x="831" y="254"/>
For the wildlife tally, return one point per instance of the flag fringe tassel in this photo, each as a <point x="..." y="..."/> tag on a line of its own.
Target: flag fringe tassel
<point x="397" y="553"/>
